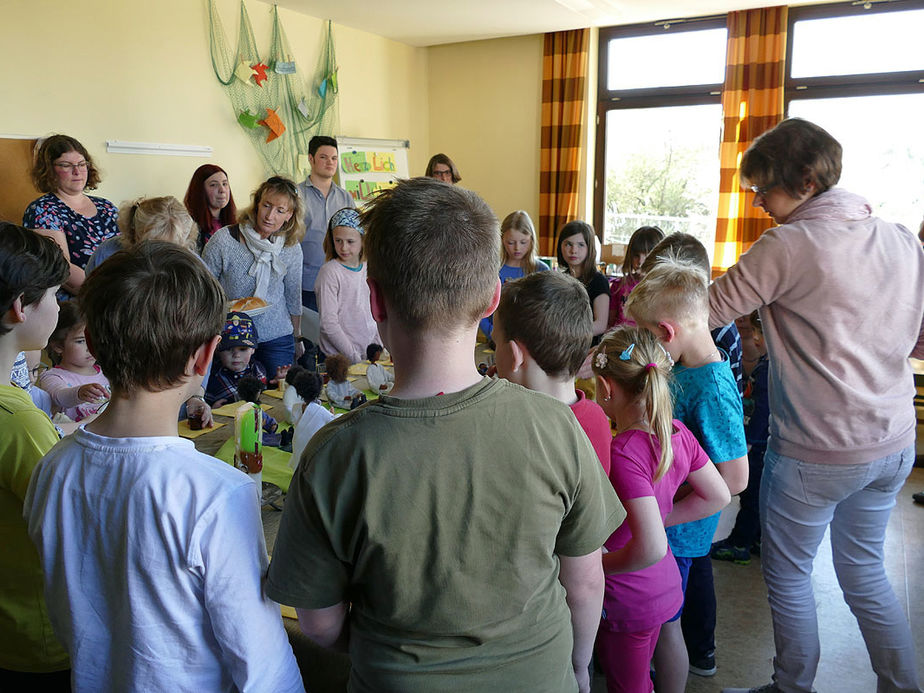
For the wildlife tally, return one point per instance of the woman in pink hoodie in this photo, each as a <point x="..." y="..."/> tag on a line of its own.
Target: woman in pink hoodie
<point x="841" y="298"/>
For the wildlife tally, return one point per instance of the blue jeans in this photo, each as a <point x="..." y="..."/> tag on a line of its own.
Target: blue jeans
<point x="276" y="352"/>
<point x="798" y="501"/>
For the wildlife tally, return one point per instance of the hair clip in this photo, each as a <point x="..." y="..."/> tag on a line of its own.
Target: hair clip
<point x="627" y="352"/>
<point x="600" y="360"/>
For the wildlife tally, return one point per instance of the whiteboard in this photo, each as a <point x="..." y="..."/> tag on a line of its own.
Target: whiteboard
<point x="370" y="165"/>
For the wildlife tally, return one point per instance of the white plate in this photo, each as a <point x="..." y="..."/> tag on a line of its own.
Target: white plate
<point x="253" y="312"/>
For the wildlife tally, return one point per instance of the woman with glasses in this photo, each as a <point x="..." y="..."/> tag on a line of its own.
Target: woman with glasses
<point x="64" y="171"/>
<point x="442" y="168"/>
<point x="261" y="256"/>
<point x="840" y="294"/>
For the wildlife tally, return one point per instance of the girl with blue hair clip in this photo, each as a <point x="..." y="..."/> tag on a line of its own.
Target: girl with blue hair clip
<point x="347" y="326"/>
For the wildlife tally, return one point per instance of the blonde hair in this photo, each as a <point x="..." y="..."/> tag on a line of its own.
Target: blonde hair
<point x="675" y="288"/>
<point x="293" y="231"/>
<point x="157" y="218"/>
<point x="520" y="222"/>
<point x="633" y="360"/>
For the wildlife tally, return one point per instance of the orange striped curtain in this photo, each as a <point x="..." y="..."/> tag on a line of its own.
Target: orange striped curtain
<point x="752" y="102"/>
<point x="564" y="69"/>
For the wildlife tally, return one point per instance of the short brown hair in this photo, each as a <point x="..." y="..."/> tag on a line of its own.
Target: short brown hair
<point x="446" y="161"/>
<point x="548" y="313"/>
<point x="434" y="249"/>
<point x="164" y="218"/>
<point x="148" y="309"/>
<point x="682" y="246"/>
<point x="792" y="154"/>
<point x="675" y="289"/>
<point x="337" y="366"/>
<point x="50" y="149"/>
<point x="30" y="265"/>
<point x="294" y="229"/>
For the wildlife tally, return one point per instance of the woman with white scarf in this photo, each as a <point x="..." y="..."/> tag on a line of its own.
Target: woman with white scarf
<point x="261" y="256"/>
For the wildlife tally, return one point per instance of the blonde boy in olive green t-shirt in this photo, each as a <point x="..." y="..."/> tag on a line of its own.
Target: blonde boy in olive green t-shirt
<point x="447" y="535"/>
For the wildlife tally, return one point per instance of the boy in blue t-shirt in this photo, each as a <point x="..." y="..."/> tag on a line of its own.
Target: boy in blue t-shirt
<point x="672" y="303"/>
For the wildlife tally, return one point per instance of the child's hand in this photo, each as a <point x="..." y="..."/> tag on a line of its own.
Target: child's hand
<point x="92" y="392"/>
<point x="282" y="371"/>
<point x="195" y="406"/>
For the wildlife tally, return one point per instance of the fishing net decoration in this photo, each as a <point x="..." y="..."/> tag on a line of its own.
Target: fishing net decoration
<point x="276" y="107"/>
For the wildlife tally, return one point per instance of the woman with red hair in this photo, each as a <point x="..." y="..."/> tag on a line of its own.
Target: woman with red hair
<point x="209" y="201"/>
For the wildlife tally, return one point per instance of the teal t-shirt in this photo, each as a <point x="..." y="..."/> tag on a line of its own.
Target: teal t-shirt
<point x="707" y="401"/>
<point x="441" y="520"/>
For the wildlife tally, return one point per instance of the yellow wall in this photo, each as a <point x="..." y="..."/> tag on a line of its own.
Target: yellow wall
<point x="100" y="70"/>
<point x="485" y="109"/>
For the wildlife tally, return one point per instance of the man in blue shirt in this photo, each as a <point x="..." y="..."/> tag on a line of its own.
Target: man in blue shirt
<point x="322" y="197"/>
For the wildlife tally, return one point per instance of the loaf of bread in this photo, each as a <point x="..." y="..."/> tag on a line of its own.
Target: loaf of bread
<point x="247" y="304"/>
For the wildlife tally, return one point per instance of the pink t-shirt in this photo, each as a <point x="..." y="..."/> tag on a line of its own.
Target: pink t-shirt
<point x="596" y="425"/>
<point x="648" y="597"/>
<point x="62" y="385"/>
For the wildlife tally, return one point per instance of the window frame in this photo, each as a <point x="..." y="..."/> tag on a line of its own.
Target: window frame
<point x="649" y="97"/>
<point x="839" y="86"/>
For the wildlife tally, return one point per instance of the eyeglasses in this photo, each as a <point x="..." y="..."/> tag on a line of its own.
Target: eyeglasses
<point x="437" y="173"/>
<point x="761" y="190"/>
<point x="79" y="166"/>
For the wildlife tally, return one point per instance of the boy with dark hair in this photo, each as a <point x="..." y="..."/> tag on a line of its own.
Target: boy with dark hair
<point x="31" y="270"/>
<point x="322" y="197"/>
<point x="153" y="552"/>
<point x="447" y="533"/>
<point x="544" y="334"/>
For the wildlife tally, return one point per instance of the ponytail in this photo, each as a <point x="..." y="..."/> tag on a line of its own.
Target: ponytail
<point x="633" y="359"/>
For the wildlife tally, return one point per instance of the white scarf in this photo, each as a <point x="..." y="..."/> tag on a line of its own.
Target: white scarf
<point x="266" y="261"/>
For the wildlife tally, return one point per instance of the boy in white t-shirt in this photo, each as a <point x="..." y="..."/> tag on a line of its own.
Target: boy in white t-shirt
<point x="154" y="553"/>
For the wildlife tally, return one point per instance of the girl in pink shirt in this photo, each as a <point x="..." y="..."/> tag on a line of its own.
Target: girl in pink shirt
<point x="652" y="456"/>
<point x="347" y="326"/>
<point x="76" y="384"/>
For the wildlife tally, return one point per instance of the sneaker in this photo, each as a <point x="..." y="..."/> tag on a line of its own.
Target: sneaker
<point x="769" y="688"/>
<point x="755" y="548"/>
<point x="735" y="554"/>
<point x="704" y="666"/>
<point x="918" y="497"/>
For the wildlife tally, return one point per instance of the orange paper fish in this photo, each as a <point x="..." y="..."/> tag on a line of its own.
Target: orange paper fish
<point x="274" y="123"/>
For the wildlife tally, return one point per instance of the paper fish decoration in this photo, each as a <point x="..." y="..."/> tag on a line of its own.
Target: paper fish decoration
<point x="259" y="73"/>
<point x="285" y="68"/>
<point x="248" y="120"/>
<point x="333" y="81"/>
<point x="274" y="123"/>
<point x="303" y="109"/>
<point x="244" y="72"/>
<point x="322" y="88"/>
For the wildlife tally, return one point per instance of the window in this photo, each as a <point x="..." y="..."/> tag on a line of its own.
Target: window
<point x="858" y="72"/>
<point x="856" y="69"/>
<point x="658" y="126"/>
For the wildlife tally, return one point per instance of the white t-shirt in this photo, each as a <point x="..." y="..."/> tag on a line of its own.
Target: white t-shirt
<point x="154" y="558"/>
<point x="313" y="419"/>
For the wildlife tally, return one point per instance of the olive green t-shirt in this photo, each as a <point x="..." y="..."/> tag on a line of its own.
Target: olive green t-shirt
<point x="439" y="520"/>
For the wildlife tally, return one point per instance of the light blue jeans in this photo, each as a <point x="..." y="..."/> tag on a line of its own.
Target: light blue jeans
<point x="798" y="501"/>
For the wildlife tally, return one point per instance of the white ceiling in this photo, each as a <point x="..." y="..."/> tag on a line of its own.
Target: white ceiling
<point x="432" y="22"/>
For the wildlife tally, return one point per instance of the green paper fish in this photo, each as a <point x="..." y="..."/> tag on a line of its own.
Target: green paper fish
<point x="248" y="120"/>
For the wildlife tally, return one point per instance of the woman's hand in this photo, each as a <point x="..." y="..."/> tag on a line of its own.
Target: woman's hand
<point x="92" y="392"/>
<point x="299" y="348"/>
